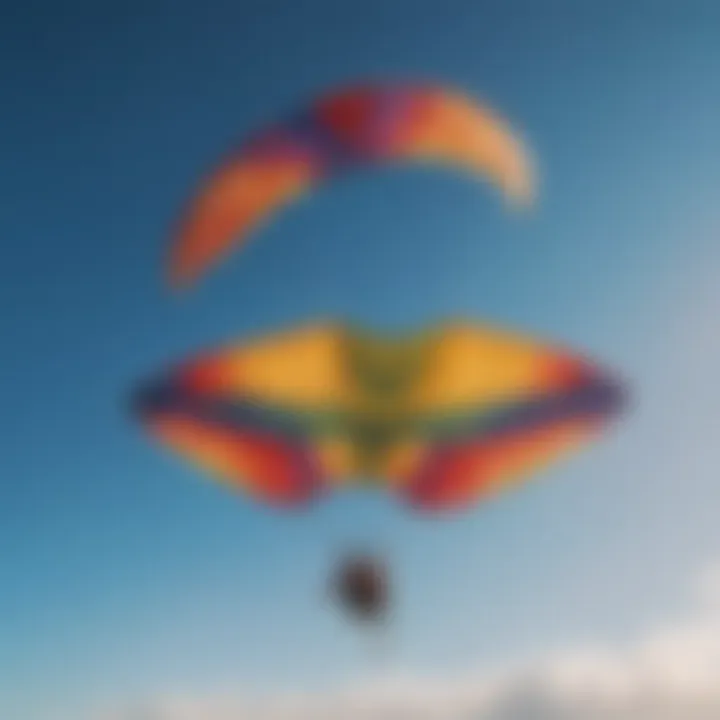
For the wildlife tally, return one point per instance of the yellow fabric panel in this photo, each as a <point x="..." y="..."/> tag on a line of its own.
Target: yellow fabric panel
<point x="473" y="366"/>
<point x="292" y="369"/>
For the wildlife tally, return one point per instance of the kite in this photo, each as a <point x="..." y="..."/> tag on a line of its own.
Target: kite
<point x="335" y="134"/>
<point x="442" y="418"/>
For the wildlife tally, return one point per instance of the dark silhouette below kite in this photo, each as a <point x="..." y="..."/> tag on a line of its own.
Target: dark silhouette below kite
<point x="360" y="585"/>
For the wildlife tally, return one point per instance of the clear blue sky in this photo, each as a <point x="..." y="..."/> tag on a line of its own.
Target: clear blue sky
<point x="122" y="572"/>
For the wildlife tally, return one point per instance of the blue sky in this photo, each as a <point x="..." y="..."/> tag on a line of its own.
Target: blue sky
<point x="123" y="573"/>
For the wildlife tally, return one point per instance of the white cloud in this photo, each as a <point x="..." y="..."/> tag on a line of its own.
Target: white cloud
<point x="671" y="674"/>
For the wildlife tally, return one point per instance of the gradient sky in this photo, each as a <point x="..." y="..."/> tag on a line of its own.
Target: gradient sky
<point x="123" y="574"/>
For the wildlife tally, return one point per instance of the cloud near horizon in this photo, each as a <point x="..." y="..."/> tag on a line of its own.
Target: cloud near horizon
<point x="673" y="673"/>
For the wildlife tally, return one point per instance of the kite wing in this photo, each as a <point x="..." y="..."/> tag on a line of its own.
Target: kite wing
<point x="253" y="414"/>
<point x="496" y="408"/>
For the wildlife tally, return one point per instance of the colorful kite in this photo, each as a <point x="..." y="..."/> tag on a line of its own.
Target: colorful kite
<point x="443" y="418"/>
<point x="338" y="133"/>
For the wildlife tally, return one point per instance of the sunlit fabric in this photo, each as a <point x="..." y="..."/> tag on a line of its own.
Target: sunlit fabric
<point x="443" y="418"/>
<point x="338" y="133"/>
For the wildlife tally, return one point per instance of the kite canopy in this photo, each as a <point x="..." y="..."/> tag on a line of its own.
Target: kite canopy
<point x="442" y="418"/>
<point x="340" y="132"/>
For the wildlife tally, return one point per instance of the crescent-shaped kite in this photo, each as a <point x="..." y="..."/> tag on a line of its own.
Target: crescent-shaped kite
<point x="443" y="418"/>
<point x="337" y="133"/>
